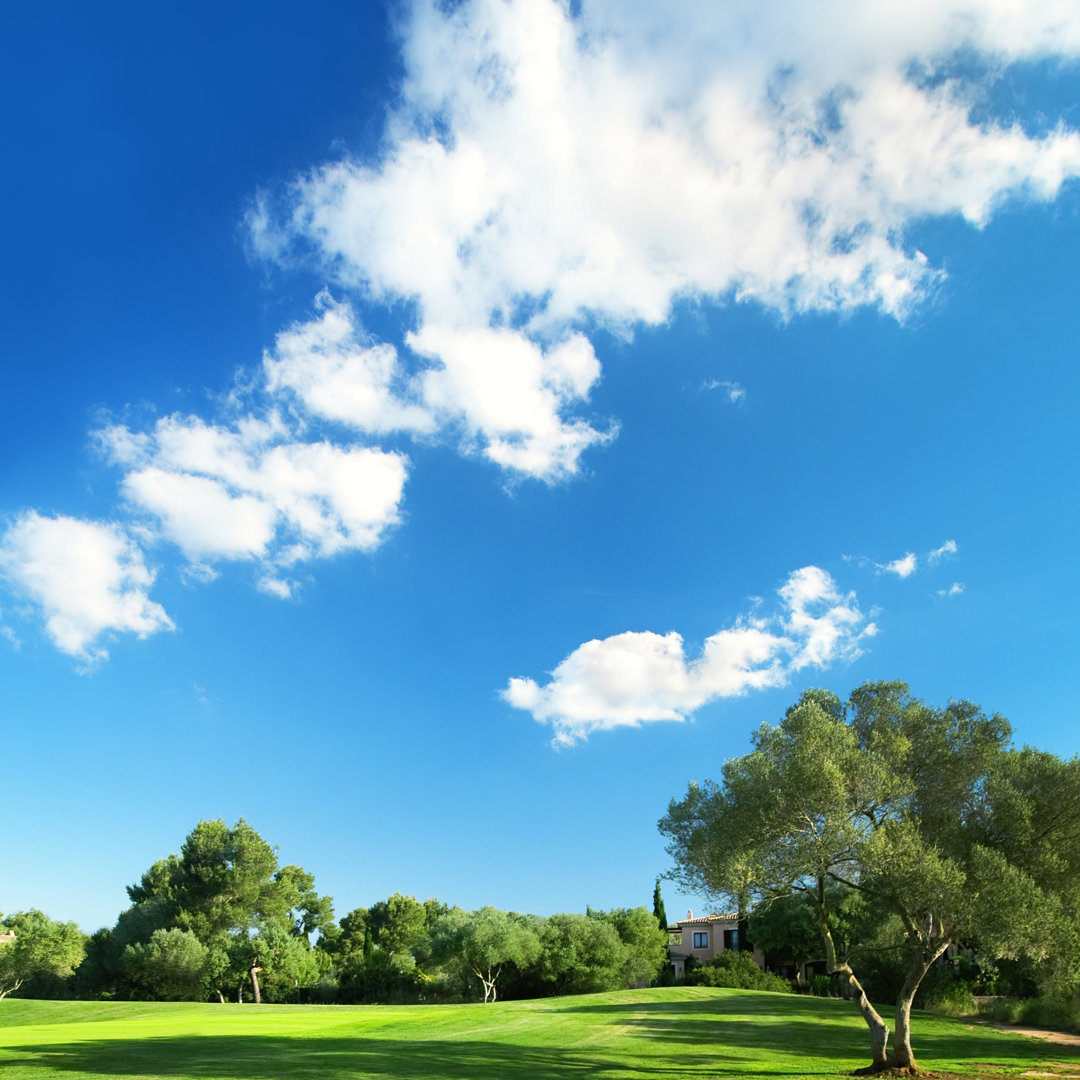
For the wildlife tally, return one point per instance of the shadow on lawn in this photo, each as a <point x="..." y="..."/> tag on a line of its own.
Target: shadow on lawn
<point x="290" y="1058"/>
<point x="721" y="1037"/>
<point x="815" y="1028"/>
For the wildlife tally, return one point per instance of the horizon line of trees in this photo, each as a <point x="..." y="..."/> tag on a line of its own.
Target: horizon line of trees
<point x="223" y="921"/>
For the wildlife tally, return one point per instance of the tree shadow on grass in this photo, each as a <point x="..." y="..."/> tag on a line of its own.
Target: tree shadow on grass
<point x="821" y="1029"/>
<point x="297" y="1058"/>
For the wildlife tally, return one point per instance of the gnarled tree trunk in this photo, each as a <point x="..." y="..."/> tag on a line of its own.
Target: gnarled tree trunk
<point x="879" y="1030"/>
<point x="920" y="965"/>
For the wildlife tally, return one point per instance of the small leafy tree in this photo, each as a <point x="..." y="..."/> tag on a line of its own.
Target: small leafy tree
<point x="171" y="966"/>
<point x="644" y="945"/>
<point x="482" y="943"/>
<point x="42" y="949"/>
<point x="580" y="954"/>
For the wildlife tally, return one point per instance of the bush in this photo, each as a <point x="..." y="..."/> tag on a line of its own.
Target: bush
<point x="1057" y="1013"/>
<point x="953" y="999"/>
<point x="737" y="971"/>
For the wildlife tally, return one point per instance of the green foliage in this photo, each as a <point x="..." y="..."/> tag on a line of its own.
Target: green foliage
<point x="645" y="945"/>
<point x="397" y="923"/>
<point x="41" y="958"/>
<point x="226" y="892"/>
<point x="580" y="955"/>
<point x="482" y="943"/>
<point x="786" y="929"/>
<point x="658" y="907"/>
<point x="171" y="966"/>
<point x="738" y="971"/>
<point x="919" y="809"/>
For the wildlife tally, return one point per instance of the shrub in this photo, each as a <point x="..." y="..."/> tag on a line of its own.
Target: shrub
<point x="738" y="971"/>
<point x="952" y="998"/>
<point x="1046" y="1011"/>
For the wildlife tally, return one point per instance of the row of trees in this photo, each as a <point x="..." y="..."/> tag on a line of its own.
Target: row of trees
<point x="882" y="826"/>
<point x="223" y="921"/>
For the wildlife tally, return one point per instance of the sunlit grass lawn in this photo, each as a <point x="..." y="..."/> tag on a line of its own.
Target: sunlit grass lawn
<point x="664" y="1034"/>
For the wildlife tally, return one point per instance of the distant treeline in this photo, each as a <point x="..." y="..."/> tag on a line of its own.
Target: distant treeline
<point x="222" y="921"/>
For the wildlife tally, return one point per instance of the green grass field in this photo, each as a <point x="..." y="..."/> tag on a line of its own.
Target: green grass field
<point x="667" y="1034"/>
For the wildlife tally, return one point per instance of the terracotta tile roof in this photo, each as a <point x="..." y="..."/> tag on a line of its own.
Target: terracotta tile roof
<point x="731" y="917"/>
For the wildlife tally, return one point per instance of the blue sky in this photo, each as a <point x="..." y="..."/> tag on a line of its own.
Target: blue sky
<point x="437" y="434"/>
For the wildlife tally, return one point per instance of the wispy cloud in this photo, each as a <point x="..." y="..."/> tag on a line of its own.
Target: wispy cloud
<point x="943" y="552"/>
<point x="905" y="565"/>
<point x="640" y="676"/>
<point x="732" y="390"/>
<point x="955" y="589"/>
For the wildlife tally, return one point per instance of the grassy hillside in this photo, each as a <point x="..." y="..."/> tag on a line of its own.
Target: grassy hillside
<point x="663" y="1034"/>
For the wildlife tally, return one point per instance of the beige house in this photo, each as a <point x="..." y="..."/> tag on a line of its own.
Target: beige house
<point x="8" y="935"/>
<point x="703" y="938"/>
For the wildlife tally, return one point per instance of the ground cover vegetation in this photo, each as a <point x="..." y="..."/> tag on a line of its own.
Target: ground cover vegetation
<point x="681" y="1032"/>
<point x="881" y="835"/>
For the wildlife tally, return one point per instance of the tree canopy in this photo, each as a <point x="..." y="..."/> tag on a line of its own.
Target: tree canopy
<point x="912" y="806"/>
<point x="214" y="918"/>
<point x="41" y="950"/>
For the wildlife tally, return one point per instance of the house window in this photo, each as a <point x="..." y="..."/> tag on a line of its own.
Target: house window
<point x="701" y="940"/>
<point x="731" y="939"/>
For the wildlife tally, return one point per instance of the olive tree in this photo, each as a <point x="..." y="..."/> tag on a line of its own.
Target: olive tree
<point x="882" y="794"/>
<point x="482" y="943"/>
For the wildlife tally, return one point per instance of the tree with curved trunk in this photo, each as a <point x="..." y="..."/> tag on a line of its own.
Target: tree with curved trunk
<point x="482" y="943"/>
<point x="884" y="795"/>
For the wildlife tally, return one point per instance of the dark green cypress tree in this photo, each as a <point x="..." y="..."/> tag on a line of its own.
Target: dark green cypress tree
<point x="658" y="906"/>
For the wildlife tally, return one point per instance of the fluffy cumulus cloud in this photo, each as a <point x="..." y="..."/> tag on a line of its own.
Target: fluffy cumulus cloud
<point x="251" y="490"/>
<point x="88" y="578"/>
<point x="641" y="676"/>
<point x="546" y="173"/>
<point x="552" y="171"/>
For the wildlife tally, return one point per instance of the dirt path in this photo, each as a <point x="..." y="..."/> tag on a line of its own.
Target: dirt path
<point x="1040" y="1033"/>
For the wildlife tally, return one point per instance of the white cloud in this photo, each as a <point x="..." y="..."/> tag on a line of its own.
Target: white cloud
<point x="200" y="515"/>
<point x="639" y="676"/>
<point x="250" y="490"/>
<point x="338" y="375"/>
<point x="734" y="392"/>
<point x="946" y="549"/>
<point x="543" y="173"/>
<point x="507" y="396"/>
<point x="88" y="577"/>
<point x="955" y="589"/>
<point x="510" y="395"/>
<point x="903" y="567"/>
